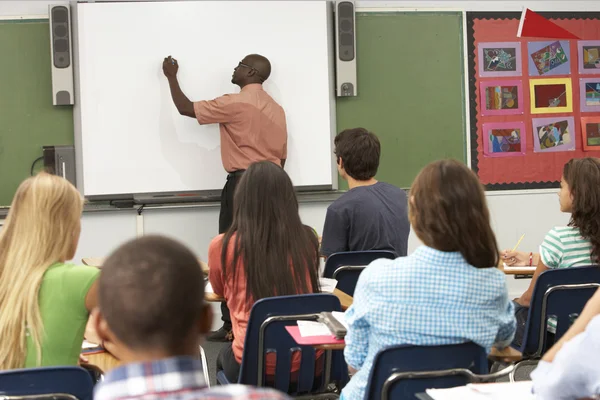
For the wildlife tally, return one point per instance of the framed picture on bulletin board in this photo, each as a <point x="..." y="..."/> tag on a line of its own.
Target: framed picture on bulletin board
<point x="534" y="104"/>
<point x="589" y="97"/>
<point x="591" y="133"/>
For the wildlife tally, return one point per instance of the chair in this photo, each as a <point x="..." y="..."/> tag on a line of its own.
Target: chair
<point x="400" y="372"/>
<point x="266" y="334"/>
<point x="346" y="266"/>
<point x="63" y="381"/>
<point x="559" y="293"/>
<point x="204" y="366"/>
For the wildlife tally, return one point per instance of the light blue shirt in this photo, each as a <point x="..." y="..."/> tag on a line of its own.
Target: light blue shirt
<point x="575" y="371"/>
<point x="428" y="298"/>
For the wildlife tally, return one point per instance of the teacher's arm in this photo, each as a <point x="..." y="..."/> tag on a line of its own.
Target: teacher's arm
<point x="183" y="104"/>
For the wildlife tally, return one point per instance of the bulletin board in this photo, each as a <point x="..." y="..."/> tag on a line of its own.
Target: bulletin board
<point x="534" y="103"/>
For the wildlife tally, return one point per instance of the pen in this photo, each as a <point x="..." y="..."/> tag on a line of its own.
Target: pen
<point x="518" y="243"/>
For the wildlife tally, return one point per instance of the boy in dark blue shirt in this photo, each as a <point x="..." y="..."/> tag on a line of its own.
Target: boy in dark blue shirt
<point x="372" y="215"/>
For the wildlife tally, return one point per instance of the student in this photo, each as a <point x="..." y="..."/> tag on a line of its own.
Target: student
<point x="371" y="215"/>
<point x="153" y="315"/>
<point x="276" y="255"/>
<point x="448" y="291"/>
<point x="44" y="301"/>
<point x="570" y="369"/>
<point x="574" y="245"/>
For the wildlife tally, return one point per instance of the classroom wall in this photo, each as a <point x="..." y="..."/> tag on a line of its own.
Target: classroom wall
<point x="513" y="214"/>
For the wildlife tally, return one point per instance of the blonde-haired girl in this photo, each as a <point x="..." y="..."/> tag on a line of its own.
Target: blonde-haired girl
<point x="44" y="302"/>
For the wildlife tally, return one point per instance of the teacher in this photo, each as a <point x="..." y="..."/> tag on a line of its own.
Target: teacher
<point x="252" y="127"/>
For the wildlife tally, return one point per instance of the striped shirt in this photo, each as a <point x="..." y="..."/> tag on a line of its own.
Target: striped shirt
<point x="564" y="247"/>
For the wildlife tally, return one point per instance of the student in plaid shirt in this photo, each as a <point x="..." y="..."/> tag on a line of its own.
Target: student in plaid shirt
<point x="448" y="291"/>
<point x="152" y="316"/>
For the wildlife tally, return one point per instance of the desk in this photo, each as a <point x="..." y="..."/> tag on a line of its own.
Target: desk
<point x="98" y="261"/>
<point x="105" y="361"/>
<point x="519" y="272"/>
<point x="508" y="354"/>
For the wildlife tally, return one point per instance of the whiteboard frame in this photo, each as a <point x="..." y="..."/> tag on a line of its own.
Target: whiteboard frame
<point x="139" y="197"/>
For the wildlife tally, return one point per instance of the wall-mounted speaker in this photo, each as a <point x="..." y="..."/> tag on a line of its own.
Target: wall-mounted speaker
<point x="345" y="48"/>
<point x="61" y="54"/>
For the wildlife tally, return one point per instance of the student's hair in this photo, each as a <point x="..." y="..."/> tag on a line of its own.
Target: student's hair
<point x="449" y="212"/>
<point x="41" y="229"/>
<point x="583" y="177"/>
<point x="359" y="150"/>
<point x="151" y="293"/>
<point x="269" y="236"/>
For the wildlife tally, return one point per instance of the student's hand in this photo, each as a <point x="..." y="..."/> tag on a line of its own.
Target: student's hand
<point x="170" y="67"/>
<point x="512" y="258"/>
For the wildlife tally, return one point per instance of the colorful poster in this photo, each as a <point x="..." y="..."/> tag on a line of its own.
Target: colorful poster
<point x="553" y="134"/>
<point x="503" y="139"/>
<point x="551" y="96"/>
<point x="589" y="94"/>
<point x="549" y="58"/>
<point x="501" y="97"/>
<point x="591" y="133"/>
<point x="499" y="59"/>
<point x="588" y="52"/>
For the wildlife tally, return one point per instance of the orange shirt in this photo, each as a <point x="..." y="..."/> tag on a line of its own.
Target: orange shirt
<point x="252" y="127"/>
<point x="234" y="292"/>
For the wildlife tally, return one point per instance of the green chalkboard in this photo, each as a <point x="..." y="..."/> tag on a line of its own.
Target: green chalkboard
<point x="410" y="90"/>
<point x="28" y="120"/>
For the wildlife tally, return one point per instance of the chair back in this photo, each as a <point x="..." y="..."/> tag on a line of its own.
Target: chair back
<point x="346" y="266"/>
<point x="266" y="334"/>
<point x="74" y="381"/>
<point x="560" y="293"/>
<point x="395" y="371"/>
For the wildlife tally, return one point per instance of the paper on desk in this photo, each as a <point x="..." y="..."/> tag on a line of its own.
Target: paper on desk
<point x="341" y="317"/>
<point x="517" y="267"/>
<point x="327" y="284"/>
<point x="208" y="288"/>
<point x="313" y="328"/>
<point x="490" y="391"/>
<point x="88" y="345"/>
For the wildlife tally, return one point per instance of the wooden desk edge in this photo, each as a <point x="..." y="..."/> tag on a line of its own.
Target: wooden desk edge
<point x="98" y="261"/>
<point x="507" y="354"/>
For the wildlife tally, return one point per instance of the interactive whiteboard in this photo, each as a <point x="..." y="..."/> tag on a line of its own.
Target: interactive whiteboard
<point x="130" y="137"/>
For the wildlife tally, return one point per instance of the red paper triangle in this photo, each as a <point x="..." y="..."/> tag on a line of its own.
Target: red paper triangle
<point x="534" y="25"/>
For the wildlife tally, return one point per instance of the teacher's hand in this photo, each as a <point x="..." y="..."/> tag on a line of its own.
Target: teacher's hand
<point x="170" y="67"/>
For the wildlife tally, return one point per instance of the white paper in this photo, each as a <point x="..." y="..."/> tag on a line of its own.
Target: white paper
<point x="517" y="267"/>
<point x="208" y="288"/>
<point x="327" y="284"/>
<point x="341" y="317"/>
<point x="313" y="328"/>
<point x="490" y="391"/>
<point x="88" y="345"/>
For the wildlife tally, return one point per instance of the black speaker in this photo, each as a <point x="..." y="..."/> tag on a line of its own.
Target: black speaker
<point x="60" y="37"/>
<point x="345" y="48"/>
<point x="61" y="57"/>
<point x="345" y="16"/>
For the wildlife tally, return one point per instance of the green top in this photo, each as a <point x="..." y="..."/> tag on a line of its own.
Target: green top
<point x="64" y="315"/>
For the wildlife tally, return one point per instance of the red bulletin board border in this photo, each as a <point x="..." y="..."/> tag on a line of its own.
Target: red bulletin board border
<point x="533" y="170"/>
